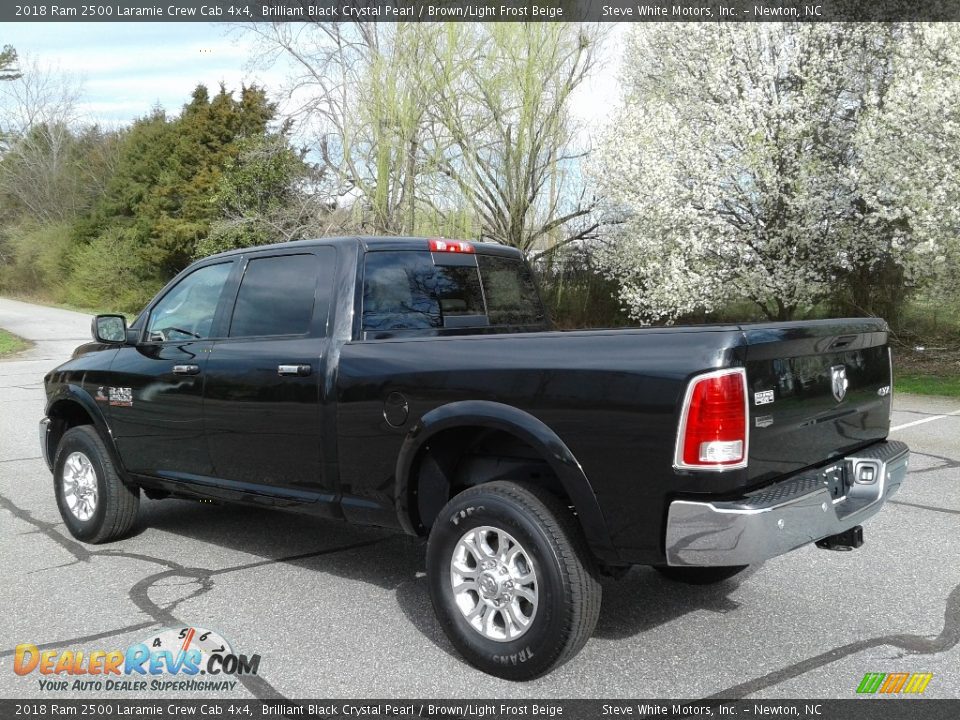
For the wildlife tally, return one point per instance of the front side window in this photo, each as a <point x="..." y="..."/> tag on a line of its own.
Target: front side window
<point x="404" y="290"/>
<point x="186" y="312"/>
<point x="276" y="296"/>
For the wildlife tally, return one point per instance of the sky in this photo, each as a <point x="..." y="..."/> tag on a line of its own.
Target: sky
<point x="128" y="68"/>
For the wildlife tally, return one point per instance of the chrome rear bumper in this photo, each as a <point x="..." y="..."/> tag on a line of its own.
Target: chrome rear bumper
<point x="784" y="516"/>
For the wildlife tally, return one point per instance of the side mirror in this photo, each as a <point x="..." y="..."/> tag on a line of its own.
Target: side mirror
<point x="110" y="329"/>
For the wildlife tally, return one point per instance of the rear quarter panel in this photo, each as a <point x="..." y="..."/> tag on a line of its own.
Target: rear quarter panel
<point x="610" y="396"/>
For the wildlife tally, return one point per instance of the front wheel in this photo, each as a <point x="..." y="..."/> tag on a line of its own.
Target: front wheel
<point x="95" y="504"/>
<point x="511" y="579"/>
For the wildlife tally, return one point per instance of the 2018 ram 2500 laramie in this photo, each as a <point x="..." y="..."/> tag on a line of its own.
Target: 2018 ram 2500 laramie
<point x="416" y="384"/>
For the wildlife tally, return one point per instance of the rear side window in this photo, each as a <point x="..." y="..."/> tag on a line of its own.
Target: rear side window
<point x="405" y="291"/>
<point x="276" y="296"/>
<point x="511" y="295"/>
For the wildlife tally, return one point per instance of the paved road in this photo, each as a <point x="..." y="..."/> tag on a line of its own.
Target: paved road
<point x="336" y="611"/>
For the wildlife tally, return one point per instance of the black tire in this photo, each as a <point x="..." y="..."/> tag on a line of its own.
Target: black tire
<point x="700" y="575"/>
<point x="567" y="582"/>
<point x="115" y="509"/>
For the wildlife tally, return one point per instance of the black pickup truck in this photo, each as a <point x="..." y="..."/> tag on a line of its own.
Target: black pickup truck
<point x="416" y="384"/>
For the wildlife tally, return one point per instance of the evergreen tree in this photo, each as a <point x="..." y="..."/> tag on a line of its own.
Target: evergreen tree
<point x="8" y="63"/>
<point x="163" y="193"/>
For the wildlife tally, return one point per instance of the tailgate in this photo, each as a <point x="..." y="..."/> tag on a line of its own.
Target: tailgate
<point x="816" y="390"/>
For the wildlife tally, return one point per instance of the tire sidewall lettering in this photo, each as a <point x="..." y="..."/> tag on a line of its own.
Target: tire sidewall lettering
<point x="464" y="514"/>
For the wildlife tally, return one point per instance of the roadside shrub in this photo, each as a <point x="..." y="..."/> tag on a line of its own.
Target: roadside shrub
<point x="108" y="273"/>
<point x="35" y="259"/>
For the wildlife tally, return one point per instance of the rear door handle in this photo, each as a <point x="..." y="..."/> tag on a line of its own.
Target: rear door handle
<point x="298" y="370"/>
<point x="186" y="369"/>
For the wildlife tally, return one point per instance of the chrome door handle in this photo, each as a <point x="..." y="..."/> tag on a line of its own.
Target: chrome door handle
<point x="298" y="370"/>
<point x="186" y="369"/>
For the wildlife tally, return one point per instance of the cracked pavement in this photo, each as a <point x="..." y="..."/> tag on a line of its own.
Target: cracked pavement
<point x="338" y="611"/>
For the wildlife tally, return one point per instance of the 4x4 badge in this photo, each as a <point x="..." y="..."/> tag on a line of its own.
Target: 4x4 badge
<point x="839" y="382"/>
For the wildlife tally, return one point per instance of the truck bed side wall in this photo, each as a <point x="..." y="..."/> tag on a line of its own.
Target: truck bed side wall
<point x="611" y="397"/>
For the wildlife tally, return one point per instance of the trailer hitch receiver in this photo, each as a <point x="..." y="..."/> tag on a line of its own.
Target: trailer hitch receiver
<point x="847" y="540"/>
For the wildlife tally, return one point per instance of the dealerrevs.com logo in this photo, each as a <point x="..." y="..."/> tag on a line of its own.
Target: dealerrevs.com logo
<point x="179" y="659"/>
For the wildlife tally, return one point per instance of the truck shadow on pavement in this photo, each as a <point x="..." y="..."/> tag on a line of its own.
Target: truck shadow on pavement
<point x="639" y="602"/>
<point x="636" y="603"/>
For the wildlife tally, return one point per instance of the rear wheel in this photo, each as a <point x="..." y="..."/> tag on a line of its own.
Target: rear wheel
<point x="511" y="579"/>
<point x="700" y="575"/>
<point x="94" y="502"/>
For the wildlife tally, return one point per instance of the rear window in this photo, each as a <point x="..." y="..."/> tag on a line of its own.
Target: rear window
<point x="404" y="290"/>
<point x="511" y="295"/>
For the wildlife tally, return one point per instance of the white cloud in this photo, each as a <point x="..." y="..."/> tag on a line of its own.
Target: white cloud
<point x="128" y="68"/>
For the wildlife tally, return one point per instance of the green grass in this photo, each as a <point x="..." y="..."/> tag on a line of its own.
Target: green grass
<point x="920" y="384"/>
<point x="10" y="344"/>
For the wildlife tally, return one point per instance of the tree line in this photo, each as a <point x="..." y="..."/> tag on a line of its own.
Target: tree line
<point x="750" y="171"/>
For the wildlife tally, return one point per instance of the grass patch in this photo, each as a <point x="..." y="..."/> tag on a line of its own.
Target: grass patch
<point x="10" y="344"/>
<point x="929" y="369"/>
<point x="920" y="384"/>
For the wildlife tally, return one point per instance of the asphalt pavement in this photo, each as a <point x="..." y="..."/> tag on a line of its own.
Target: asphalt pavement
<point x="342" y="612"/>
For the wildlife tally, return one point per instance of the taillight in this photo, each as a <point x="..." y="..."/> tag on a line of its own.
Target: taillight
<point x="713" y="422"/>
<point x="455" y="246"/>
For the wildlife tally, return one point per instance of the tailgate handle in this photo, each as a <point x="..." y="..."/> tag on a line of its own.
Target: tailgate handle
<point x="842" y="342"/>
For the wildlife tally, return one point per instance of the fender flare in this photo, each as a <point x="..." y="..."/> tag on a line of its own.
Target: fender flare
<point x="498" y="416"/>
<point x="76" y="394"/>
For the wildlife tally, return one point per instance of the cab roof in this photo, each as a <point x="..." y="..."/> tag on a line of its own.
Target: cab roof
<point x="374" y="243"/>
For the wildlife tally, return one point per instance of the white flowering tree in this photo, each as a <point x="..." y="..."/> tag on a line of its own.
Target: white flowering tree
<point x="756" y="161"/>
<point x="910" y="148"/>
